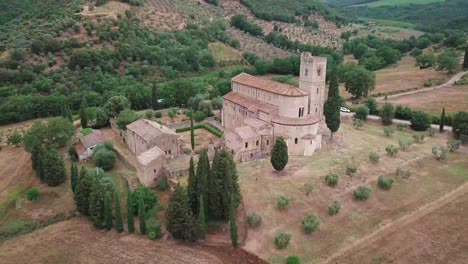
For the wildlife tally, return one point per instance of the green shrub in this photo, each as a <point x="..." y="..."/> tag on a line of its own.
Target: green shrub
<point x="282" y="239"/>
<point x="362" y="193"/>
<point x="153" y="228"/>
<point x="310" y="223"/>
<point x="72" y="153"/>
<point x="453" y="144"/>
<point x="334" y="208"/>
<point x="33" y="194"/>
<point x="332" y="179"/>
<point x="104" y="158"/>
<point x="358" y="123"/>
<point x="351" y="169"/>
<point x="384" y="183"/>
<point x="254" y="220"/>
<point x="404" y="143"/>
<point x="162" y="185"/>
<point x="431" y="131"/>
<point x="389" y="131"/>
<point x="362" y="112"/>
<point x="293" y="260"/>
<point x="199" y="116"/>
<point x="405" y="174"/>
<point x="401" y="126"/>
<point x="374" y="157"/>
<point x="420" y="121"/>
<point x="308" y="187"/>
<point x="419" y="137"/>
<point x="391" y="150"/>
<point x="387" y="113"/>
<point x="439" y="152"/>
<point x="158" y="114"/>
<point x="149" y="114"/>
<point x="282" y="202"/>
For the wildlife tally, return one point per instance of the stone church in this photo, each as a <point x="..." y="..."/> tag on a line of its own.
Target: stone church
<point x="257" y="111"/>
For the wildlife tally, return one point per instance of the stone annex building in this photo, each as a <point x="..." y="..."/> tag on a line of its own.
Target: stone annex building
<point x="257" y="111"/>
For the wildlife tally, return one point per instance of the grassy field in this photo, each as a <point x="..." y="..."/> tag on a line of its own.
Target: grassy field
<point x="224" y="53"/>
<point x="400" y="2"/>
<point x="403" y="76"/>
<point x="261" y="185"/>
<point x="453" y="98"/>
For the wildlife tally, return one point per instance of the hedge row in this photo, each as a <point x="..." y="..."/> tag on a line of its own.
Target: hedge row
<point x="215" y="131"/>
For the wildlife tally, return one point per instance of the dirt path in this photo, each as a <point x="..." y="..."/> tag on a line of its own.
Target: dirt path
<point x="450" y="82"/>
<point x="387" y="227"/>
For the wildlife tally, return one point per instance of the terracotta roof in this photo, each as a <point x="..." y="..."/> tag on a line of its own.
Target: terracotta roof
<point x="148" y="129"/>
<point x="97" y="137"/>
<point x="249" y="103"/>
<point x="303" y="121"/>
<point x="150" y="155"/>
<point x="268" y="85"/>
<point x="245" y="132"/>
<point x="254" y="122"/>
<point x="80" y="149"/>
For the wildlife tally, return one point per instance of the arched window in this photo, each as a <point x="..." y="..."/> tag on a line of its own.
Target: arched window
<point x="306" y="71"/>
<point x="295" y="141"/>
<point x="319" y="72"/>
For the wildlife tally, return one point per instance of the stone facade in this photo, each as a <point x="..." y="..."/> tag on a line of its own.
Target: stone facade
<point x="257" y="111"/>
<point x="152" y="145"/>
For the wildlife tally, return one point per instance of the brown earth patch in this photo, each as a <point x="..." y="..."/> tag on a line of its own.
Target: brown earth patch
<point x="77" y="241"/>
<point x="453" y="98"/>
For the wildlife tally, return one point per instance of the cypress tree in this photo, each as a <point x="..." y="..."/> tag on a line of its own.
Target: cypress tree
<point x="203" y="172"/>
<point x="214" y="190"/>
<point x="279" y="156"/>
<point x="54" y="168"/>
<point x="130" y="219"/>
<point x="332" y="106"/>
<point x="83" y="190"/>
<point x="83" y="115"/>
<point x="192" y="132"/>
<point x="99" y="187"/>
<point x="201" y="220"/>
<point x="141" y="215"/>
<point x="67" y="113"/>
<point x="118" y="214"/>
<point x="74" y="177"/>
<point x="442" y="121"/>
<point x="154" y="98"/>
<point x="108" y="210"/>
<point x="465" y="60"/>
<point x="192" y="187"/>
<point x="179" y="217"/>
<point x="233" y="225"/>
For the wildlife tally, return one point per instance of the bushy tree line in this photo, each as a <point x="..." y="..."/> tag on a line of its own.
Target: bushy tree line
<point x="42" y="141"/>
<point x="241" y="22"/>
<point x="374" y="53"/>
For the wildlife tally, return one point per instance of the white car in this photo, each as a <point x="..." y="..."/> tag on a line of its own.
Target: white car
<point x="345" y="110"/>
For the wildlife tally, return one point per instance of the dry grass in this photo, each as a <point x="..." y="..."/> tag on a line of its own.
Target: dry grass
<point x="260" y="186"/>
<point x="438" y="237"/>
<point x="109" y="10"/>
<point x="453" y="98"/>
<point x="203" y="138"/>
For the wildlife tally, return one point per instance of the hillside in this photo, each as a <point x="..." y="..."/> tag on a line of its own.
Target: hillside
<point x="427" y="14"/>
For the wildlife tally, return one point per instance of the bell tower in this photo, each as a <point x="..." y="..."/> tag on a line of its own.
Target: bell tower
<point x="312" y="81"/>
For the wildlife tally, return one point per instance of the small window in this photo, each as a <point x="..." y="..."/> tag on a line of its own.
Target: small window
<point x="251" y="155"/>
<point x="256" y="143"/>
<point x="268" y="142"/>
<point x="317" y="90"/>
<point x="319" y="72"/>
<point x="169" y="151"/>
<point x="316" y="109"/>
<point x="154" y="170"/>
<point x="295" y="141"/>
<point x="246" y="144"/>
<point x="311" y="142"/>
<point x="306" y="71"/>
